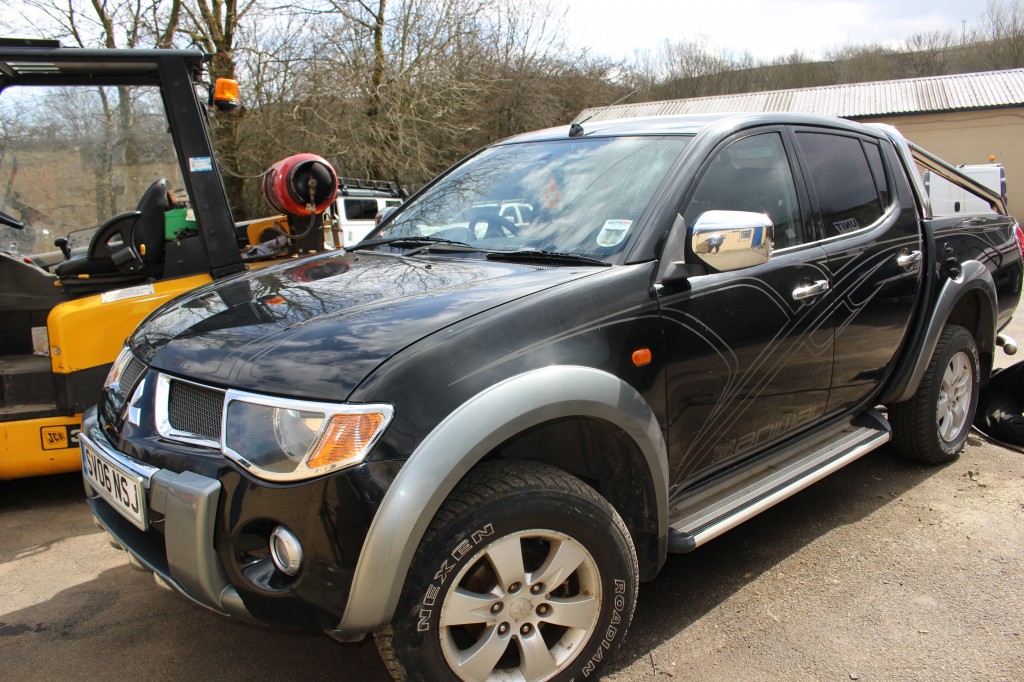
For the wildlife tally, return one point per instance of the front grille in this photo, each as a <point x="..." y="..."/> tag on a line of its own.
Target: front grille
<point x="195" y="410"/>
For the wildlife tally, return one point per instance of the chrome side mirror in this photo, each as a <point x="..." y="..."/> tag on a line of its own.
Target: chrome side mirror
<point x="732" y="240"/>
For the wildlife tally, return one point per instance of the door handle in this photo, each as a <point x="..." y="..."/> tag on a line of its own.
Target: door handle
<point x="909" y="259"/>
<point x="819" y="287"/>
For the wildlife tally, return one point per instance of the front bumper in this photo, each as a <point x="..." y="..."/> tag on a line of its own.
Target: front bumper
<point x="184" y="557"/>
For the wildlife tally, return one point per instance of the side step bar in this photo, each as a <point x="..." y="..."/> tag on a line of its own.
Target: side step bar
<point x="724" y="502"/>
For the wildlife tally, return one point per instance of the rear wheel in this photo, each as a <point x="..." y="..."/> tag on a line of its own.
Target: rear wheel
<point x="526" y="573"/>
<point x="932" y="426"/>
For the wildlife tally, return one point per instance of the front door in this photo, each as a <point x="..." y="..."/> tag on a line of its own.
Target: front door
<point x="748" y="362"/>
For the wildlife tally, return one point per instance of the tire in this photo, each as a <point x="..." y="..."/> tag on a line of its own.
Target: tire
<point x="932" y="426"/>
<point x="521" y="557"/>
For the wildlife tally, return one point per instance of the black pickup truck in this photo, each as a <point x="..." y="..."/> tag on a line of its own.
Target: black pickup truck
<point x="473" y="435"/>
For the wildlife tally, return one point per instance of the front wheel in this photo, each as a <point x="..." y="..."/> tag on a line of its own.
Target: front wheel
<point x="932" y="426"/>
<point x="526" y="573"/>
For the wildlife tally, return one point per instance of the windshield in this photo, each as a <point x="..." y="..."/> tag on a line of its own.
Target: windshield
<point x="73" y="157"/>
<point x="583" y="196"/>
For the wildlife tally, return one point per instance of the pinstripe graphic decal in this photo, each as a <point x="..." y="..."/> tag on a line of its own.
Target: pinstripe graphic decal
<point x="759" y="375"/>
<point x="807" y="328"/>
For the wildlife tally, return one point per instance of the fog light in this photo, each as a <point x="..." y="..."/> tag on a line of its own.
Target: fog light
<point x="286" y="551"/>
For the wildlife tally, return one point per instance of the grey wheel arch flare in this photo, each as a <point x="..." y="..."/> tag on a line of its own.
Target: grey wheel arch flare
<point x="458" y="443"/>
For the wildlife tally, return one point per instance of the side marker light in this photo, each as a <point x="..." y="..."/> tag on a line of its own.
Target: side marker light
<point x="641" y="357"/>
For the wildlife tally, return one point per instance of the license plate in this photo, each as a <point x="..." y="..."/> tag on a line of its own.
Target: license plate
<point x="122" y="489"/>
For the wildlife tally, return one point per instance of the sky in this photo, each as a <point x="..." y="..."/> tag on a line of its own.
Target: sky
<point x="766" y="28"/>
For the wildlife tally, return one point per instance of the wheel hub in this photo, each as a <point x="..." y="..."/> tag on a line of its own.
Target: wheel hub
<point x="521" y="609"/>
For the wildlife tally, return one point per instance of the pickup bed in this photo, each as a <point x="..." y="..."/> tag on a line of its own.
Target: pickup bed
<point x="474" y="436"/>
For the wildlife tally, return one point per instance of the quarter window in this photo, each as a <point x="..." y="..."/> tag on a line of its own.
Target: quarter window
<point x="846" y="189"/>
<point x="878" y="171"/>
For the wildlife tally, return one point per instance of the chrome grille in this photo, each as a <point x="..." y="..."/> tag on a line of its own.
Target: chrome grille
<point x="195" y="410"/>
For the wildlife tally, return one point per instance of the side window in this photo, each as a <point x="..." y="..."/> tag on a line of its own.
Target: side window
<point x="751" y="174"/>
<point x="360" y="209"/>
<point x="846" y="189"/>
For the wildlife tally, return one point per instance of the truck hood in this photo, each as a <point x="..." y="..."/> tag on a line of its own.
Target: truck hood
<point x="317" y="327"/>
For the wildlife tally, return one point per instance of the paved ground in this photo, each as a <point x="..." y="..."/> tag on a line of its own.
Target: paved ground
<point x="884" y="571"/>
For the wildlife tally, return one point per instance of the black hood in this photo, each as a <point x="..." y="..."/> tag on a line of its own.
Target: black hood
<point x="316" y="328"/>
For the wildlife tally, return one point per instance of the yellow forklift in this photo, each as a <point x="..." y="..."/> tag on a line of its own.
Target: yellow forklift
<point x="118" y="139"/>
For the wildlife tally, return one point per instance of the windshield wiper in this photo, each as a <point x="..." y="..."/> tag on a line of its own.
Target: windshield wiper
<point x="411" y="242"/>
<point x="536" y="256"/>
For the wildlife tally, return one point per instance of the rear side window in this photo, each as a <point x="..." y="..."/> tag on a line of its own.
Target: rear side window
<point x="360" y="209"/>
<point x="843" y="182"/>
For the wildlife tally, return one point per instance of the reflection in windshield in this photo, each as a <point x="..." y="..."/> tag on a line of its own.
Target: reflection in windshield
<point x="565" y="196"/>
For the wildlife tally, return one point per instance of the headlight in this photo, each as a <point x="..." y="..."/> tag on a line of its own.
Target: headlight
<point x="122" y="375"/>
<point x="117" y="369"/>
<point x="286" y="440"/>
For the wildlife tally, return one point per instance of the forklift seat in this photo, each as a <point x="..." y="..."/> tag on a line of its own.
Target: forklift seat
<point x="127" y="247"/>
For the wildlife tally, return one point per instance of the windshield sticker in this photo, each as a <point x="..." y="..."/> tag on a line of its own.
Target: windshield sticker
<point x="613" y="232"/>
<point x="200" y="164"/>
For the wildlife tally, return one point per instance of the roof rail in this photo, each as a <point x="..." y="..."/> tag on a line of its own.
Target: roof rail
<point x="348" y="185"/>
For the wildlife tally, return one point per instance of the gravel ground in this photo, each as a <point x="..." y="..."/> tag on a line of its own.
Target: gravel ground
<point x="886" y="570"/>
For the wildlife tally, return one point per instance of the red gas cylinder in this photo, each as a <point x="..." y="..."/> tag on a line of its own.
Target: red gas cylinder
<point x="293" y="184"/>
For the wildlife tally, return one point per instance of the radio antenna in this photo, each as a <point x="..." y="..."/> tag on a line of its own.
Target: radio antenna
<point x="576" y="129"/>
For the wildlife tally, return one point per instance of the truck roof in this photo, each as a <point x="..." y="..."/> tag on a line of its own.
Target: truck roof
<point x="691" y="124"/>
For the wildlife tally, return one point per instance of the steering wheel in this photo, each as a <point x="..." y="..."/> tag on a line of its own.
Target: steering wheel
<point x="119" y="238"/>
<point x="497" y="225"/>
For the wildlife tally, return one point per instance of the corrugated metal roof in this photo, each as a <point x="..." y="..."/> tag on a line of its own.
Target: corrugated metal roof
<point x="931" y="94"/>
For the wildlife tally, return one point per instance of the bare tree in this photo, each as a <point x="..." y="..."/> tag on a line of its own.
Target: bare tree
<point x="408" y="60"/>
<point x="100" y="23"/>
<point x="1001" y="35"/>
<point x="859" y="63"/>
<point x="213" y="25"/>
<point x="929" y="53"/>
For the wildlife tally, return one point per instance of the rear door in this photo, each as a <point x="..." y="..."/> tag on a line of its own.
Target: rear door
<point x="864" y="213"/>
<point x="747" y="361"/>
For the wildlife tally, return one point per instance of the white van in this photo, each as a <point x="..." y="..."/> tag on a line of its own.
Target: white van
<point x="949" y="199"/>
<point x="357" y="205"/>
